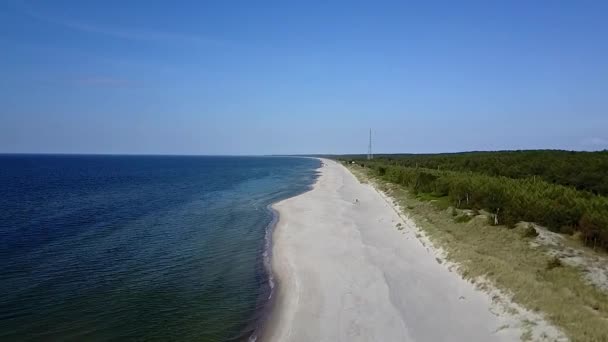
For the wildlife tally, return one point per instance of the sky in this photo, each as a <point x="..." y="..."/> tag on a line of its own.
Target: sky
<point x="300" y="77"/>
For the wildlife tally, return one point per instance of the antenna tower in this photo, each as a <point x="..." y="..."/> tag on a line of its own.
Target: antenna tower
<point x="369" y="147"/>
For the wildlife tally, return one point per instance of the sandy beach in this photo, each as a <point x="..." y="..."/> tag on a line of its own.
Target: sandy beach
<point x="346" y="273"/>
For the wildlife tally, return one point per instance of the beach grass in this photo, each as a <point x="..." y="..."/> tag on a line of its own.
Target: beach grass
<point x="507" y="258"/>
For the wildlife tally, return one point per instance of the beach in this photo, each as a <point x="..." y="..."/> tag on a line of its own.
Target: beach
<point x="350" y="268"/>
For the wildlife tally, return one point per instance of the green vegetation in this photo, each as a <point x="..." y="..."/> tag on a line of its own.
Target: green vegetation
<point x="582" y="170"/>
<point x="512" y="186"/>
<point x="462" y="218"/>
<point x="530" y="231"/>
<point x="536" y="280"/>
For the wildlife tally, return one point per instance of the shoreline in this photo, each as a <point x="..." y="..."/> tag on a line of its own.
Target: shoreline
<point x="344" y="270"/>
<point x="265" y="316"/>
<point x="272" y="318"/>
<point x="267" y="303"/>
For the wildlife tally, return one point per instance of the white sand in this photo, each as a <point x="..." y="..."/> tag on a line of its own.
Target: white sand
<point x="346" y="273"/>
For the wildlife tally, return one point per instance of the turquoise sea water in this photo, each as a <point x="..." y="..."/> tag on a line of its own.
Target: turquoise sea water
<point x="138" y="247"/>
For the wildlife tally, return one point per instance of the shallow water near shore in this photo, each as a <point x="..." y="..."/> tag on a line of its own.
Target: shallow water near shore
<point x="138" y="247"/>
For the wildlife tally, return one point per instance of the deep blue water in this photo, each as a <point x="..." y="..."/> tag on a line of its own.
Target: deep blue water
<point x="138" y="247"/>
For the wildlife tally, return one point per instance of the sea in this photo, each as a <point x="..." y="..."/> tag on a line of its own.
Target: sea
<point x="154" y="248"/>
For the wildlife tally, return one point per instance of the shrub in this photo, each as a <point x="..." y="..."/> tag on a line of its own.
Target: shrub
<point x="462" y="218"/>
<point x="530" y="231"/>
<point x="554" y="263"/>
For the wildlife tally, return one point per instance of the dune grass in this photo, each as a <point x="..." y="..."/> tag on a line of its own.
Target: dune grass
<point x="504" y="256"/>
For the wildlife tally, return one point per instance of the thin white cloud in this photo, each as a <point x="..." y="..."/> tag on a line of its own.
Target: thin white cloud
<point x="103" y="82"/>
<point x="127" y="33"/>
<point x="141" y="35"/>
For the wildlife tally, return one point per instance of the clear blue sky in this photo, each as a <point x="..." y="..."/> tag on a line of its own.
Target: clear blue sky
<point x="255" y="77"/>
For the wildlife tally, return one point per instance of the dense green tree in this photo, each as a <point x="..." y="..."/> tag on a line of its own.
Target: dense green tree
<point x="582" y="170"/>
<point x="558" y="189"/>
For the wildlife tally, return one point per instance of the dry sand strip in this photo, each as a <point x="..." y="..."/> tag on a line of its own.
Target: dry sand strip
<point x="346" y="273"/>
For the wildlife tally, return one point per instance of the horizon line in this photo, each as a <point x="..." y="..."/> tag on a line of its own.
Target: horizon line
<point x="378" y="154"/>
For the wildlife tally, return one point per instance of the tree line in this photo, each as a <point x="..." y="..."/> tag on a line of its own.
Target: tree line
<point x="583" y="170"/>
<point x="525" y="196"/>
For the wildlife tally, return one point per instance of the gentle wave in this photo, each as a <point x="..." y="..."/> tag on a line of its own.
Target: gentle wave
<point x="155" y="248"/>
